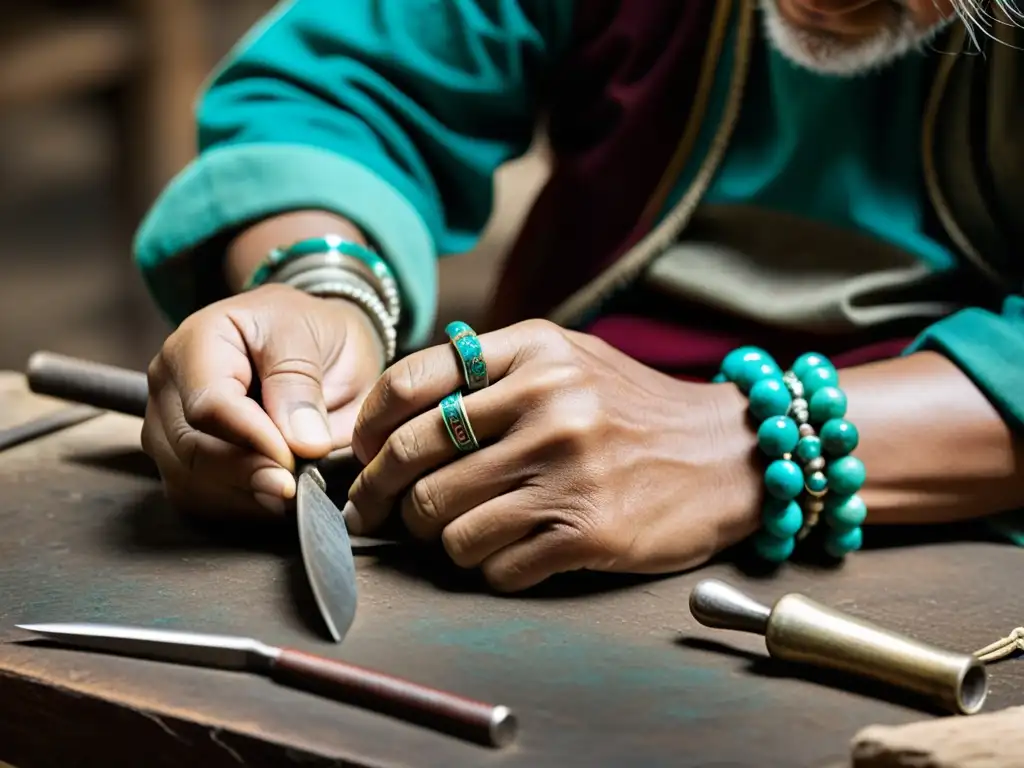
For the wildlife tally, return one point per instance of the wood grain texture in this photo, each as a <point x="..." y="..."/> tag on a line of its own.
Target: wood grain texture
<point x="600" y="671"/>
<point x="994" y="740"/>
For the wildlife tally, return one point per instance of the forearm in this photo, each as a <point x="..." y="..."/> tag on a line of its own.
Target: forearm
<point x="934" y="448"/>
<point x="250" y="247"/>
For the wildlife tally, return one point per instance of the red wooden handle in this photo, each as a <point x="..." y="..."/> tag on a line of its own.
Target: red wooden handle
<point x="486" y="724"/>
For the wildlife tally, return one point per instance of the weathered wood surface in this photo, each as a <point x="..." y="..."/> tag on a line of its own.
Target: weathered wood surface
<point x="993" y="740"/>
<point x="621" y="676"/>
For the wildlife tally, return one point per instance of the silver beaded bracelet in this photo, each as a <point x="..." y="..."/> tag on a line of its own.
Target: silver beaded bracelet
<point x="813" y="503"/>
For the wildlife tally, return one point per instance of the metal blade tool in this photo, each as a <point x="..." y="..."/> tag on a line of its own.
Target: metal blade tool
<point x="493" y="726"/>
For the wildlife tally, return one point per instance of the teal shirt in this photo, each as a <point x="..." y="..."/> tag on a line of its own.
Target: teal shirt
<point x="396" y="115"/>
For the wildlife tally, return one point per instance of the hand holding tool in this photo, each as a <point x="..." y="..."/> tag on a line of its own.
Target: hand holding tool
<point x="800" y="630"/>
<point x="493" y="726"/>
<point x="323" y="537"/>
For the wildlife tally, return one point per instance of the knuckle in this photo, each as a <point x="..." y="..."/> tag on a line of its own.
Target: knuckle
<point x="550" y="338"/>
<point x="398" y="383"/>
<point x="200" y="407"/>
<point x="576" y="425"/>
<point x="402" y="446"/>
<point x="457" y="546"/>
<point x="427" y="500"/>
<point x="550" y="380"/>
<point x="502" y="578"/>
<point x="156" y="373"/>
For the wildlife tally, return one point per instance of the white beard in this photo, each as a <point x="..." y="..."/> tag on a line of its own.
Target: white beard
<point x="829" y="55"/>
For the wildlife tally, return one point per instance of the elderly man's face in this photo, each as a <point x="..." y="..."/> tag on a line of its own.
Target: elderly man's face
<point x="852" y="36"/>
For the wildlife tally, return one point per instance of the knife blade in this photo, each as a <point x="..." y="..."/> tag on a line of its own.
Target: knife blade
<point x="449" y="713"/>
<point x="326" y="553"/>
<point x="327" y="549"/>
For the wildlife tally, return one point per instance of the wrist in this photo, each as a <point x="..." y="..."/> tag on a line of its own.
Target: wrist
<point x="250" y="247"/>
<point x="741" y="474"/>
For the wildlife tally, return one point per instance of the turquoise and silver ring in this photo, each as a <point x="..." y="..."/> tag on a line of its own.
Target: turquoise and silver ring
<point x="453" y="414"/>
<point x="471" y="354"/>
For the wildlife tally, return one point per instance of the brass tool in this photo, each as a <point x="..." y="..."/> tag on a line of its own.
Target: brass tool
<point x="800" y="630"/>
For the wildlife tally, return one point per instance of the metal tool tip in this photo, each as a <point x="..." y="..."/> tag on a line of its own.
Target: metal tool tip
<point x="718" y="605"/>
<point x="503" y="726"/>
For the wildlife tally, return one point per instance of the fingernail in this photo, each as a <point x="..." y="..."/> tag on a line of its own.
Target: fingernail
<point x="273" y="481"/>
<point x="309" y="426"/>
<point x="353" y="520"/>
<point x="273" y="503"/>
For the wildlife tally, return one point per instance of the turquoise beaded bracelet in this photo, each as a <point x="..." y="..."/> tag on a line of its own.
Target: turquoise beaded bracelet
<point x="802" y="429"/>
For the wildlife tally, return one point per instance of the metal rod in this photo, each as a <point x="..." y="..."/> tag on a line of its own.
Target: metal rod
<point x="46" y="425"/>
<point x="82" y="381"/>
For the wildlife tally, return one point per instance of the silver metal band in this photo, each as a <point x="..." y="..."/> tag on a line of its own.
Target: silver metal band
<point x="339" y="283"/>
<point x="382" y="284"/>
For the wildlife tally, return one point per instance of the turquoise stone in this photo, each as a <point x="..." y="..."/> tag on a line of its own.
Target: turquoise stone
<point x="845" y="476"/>
<point x="808" y="448"/>
<point x="456" y="327"/>
<point x="777" y="437"/>
<point x="817" y="378"/>
<point x="803" y="364"/>
<point x="840" y="543"/>
<point x="816" y="482"/>
<point x="719" y="378"/>
<point x="740" y="357"/>
<point x="845" y="512"/>
<point x="782" y="519"/>
<point x="756" y="371"/>
<point x="783" y="479"/>
<point x="827" y="403"/>
<point x="773" y="549"/>
<point x="769" y="397"/>
<point x="838" y="437"/>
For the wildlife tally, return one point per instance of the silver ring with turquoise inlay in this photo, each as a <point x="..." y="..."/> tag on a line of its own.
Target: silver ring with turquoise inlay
<point x="471" y="355"/>
<point x="456" y="421"/>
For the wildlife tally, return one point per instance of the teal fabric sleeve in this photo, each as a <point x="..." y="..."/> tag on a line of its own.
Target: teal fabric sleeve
<point x="989" y="348"/>
<point x="393" y="113"/>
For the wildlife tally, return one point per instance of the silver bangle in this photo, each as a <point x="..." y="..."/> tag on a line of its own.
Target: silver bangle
<point x="383" y="284"/>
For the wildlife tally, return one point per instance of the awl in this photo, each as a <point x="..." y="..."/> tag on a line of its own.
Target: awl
<point x="476" y="721"/>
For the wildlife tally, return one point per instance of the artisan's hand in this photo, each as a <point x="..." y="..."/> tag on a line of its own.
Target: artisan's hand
<point x="589" y="460"/>
<point x="312" y="360"/>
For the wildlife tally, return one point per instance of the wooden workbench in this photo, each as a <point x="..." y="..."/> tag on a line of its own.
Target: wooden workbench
<point x="622" y="676"/>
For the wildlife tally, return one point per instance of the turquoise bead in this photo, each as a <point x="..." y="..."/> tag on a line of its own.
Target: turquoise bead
<point x="777" y="437"/>
<point x="839" y="437"/>
<point x="840" y="543"/>
<point x="773" y="549"/>
<point x="808" y="448"/>
<point x="782" y="519"/>
<point x="827" y="403"/>
<point x="845" y="512"/>
<point x="754" y="372"/>
<point x="809" y="360"/>
<point x="816" y="482"/>
<point x="845" y="476"/>
<point x="817" y="378"/>
<point x="769" y="397"/>
<point x="783" y="479"/>
<point x="719" y="378"/>
<point x="739" y="358"/>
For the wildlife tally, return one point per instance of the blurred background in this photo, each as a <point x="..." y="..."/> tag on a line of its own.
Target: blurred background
<point x="95" y="117"/>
